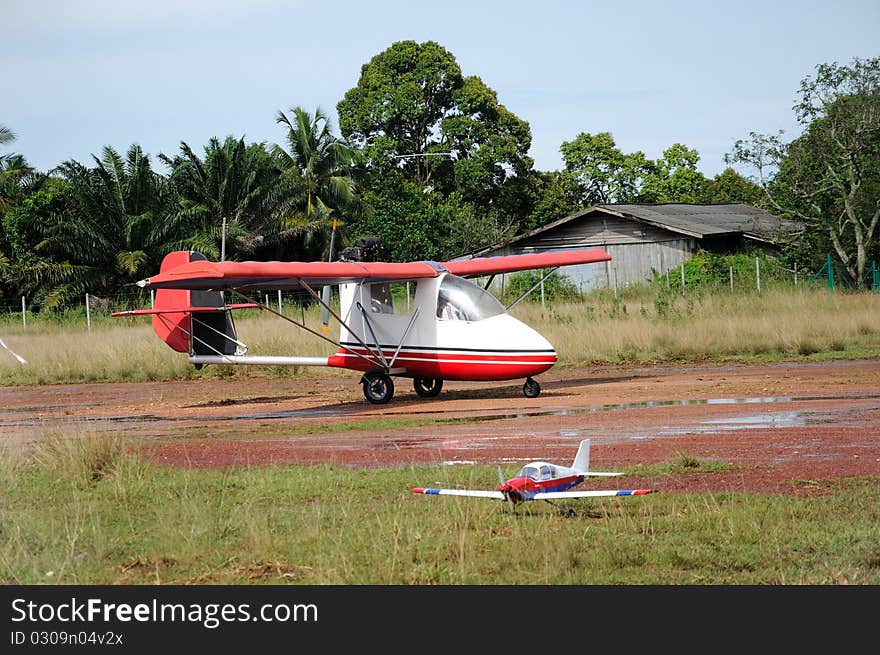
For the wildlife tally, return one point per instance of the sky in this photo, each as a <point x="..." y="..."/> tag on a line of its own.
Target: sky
<point x="79" y="75"/>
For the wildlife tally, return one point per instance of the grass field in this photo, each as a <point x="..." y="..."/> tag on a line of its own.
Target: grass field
<point x="639" y="325"/>
<point x="84" y="509"/>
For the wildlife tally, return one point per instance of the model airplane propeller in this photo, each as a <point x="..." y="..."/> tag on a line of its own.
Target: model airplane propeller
<point x="452" y="330"/>
<point x="543" y="481"/>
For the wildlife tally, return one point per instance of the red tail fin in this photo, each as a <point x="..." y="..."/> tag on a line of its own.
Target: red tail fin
<point x="174" y="328"/>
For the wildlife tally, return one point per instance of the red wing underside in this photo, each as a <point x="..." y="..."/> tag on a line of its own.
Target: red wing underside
<point x="202" y="274"/>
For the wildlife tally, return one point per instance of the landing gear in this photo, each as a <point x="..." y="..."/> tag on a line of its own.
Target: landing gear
<point x="427" y="387"/>
<point x="531" y="388"/>
<point x="378" y="387"/>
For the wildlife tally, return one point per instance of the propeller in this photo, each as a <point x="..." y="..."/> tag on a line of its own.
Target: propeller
<point x="503" y="488"/>
<point x="325" y="292"/>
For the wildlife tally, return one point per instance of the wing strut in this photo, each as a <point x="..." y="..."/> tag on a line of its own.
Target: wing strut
<point x="308" y="329"/>
<point x="532" y="288"/>
<point x="318" y="334"/>
<point x="403" y="338"/>
<point x="372" y="334"/>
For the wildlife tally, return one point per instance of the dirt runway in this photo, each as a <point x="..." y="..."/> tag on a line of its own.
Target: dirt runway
<point x="786" y="428"/>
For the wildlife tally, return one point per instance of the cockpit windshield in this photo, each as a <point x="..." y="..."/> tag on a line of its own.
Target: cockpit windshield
<point x="461" y="300"/>
<point x="539" y="472"/>
<point x="528" y="472"/>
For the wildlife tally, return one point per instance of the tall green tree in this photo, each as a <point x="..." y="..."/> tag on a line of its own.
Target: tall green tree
<point x="317" y="173"/>
<point x="597" y="172"/>
<point x="829" y="177"/>
<point x="674" y="177"/>
<point x="224" y="200"/>
<point x="17" y="177"/>
<point x="424" y="127"/>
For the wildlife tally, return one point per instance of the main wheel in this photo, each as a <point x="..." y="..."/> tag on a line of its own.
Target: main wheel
<point x="427" y="387"/>
<point x="378" y="387"/>
<point x="531" y="388"/>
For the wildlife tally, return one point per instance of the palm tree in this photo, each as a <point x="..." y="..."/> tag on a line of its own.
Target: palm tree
<point x="17" y="178"/>
<point x="224" y="197"/>
<point x="112" y="229"/>
<point x="321" y="164"/>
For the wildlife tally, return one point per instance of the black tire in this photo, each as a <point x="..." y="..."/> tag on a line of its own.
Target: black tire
<point x="427" y="387"/>
<point x="531" y="389"/>
<point x="378" y="387"/>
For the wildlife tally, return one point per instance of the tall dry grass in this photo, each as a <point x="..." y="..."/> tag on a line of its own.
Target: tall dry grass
<point x="777" y="323"/>
<point x="637" y="325"/>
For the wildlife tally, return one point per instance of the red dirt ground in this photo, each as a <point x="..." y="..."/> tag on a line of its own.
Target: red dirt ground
<point x="786" y="428"/>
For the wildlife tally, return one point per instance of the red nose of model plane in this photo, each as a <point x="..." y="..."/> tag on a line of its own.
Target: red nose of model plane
<point x="515" y="488"/>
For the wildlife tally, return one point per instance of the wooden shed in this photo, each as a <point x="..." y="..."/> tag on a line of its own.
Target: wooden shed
<point x="642" y="238"/>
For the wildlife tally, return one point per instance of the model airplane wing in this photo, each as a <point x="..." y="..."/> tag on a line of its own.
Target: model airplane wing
<point x="203" y="274"/>
<point x="460" y="492"/>
<point x="560" y="495"/>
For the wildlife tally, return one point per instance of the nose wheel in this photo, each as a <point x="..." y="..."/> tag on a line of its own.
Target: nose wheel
<point x="378" y="387"/>
<point x="531" y="389"/>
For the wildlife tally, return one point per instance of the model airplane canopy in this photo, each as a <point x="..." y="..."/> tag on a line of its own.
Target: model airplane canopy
<point x="203" y="274"/>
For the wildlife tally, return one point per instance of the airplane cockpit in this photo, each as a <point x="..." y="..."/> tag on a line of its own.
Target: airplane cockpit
<point x="462" y="300"/>
<point x="538" y="471"/>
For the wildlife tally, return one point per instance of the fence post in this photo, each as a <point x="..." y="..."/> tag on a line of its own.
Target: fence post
<point x="795" y="274"/>
<point x="88" y="315"/>
<point x="830" y="265"/>
<point x="758" y="273"/>
<point x="279" y="301"/>
<point x="731" y="278"/>
<point x="542" y="292"/>
<point x="23" y="313"/>
<point x="682" y="279"/>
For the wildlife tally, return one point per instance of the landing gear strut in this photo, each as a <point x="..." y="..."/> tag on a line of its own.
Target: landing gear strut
<point x="378" y="387"/>
<point x="531" y="388"/>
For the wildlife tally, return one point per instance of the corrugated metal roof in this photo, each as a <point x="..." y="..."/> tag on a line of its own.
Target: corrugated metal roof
<point x="707" y="220"/>
<point x="698" y="221"/>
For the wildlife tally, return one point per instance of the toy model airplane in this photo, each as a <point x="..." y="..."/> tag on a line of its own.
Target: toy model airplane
<point x="452" y="329"/>
<point x="543" y="481"/>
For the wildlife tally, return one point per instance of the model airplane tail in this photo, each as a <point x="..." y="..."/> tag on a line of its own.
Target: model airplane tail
<point x="581" y="462"/>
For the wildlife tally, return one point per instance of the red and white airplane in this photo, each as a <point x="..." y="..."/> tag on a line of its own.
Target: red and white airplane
<point x="452" y="329"/>
<point x="543" y="481"/>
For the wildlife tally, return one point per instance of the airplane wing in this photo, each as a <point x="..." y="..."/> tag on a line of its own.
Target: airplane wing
<point x="460" y="492"/>
<point x="560" y="495"/>
<point x="203" y="274"/>
<point x="512" y="263"/>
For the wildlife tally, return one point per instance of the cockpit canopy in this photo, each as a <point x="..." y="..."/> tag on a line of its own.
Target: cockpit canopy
<point x="461" y="300"/>
<point x="538" y="471"/>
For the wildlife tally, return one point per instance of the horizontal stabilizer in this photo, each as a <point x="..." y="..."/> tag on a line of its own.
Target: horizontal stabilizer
<point x="177" y="310"/>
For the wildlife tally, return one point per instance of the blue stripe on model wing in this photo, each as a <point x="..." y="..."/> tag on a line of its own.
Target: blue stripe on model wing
<point x="435" y="492"/>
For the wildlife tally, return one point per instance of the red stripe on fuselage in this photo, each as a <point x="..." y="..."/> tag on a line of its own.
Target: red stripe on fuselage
<point x="452" y="364"/>
<point x="525" y="488"/>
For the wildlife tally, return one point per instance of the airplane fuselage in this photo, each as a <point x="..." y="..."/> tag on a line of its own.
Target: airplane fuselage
<point x="450" y="329"/>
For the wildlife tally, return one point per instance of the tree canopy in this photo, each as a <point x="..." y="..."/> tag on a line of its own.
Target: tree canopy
<point x="828" y="177"/>
<point x="429" y="159"/>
